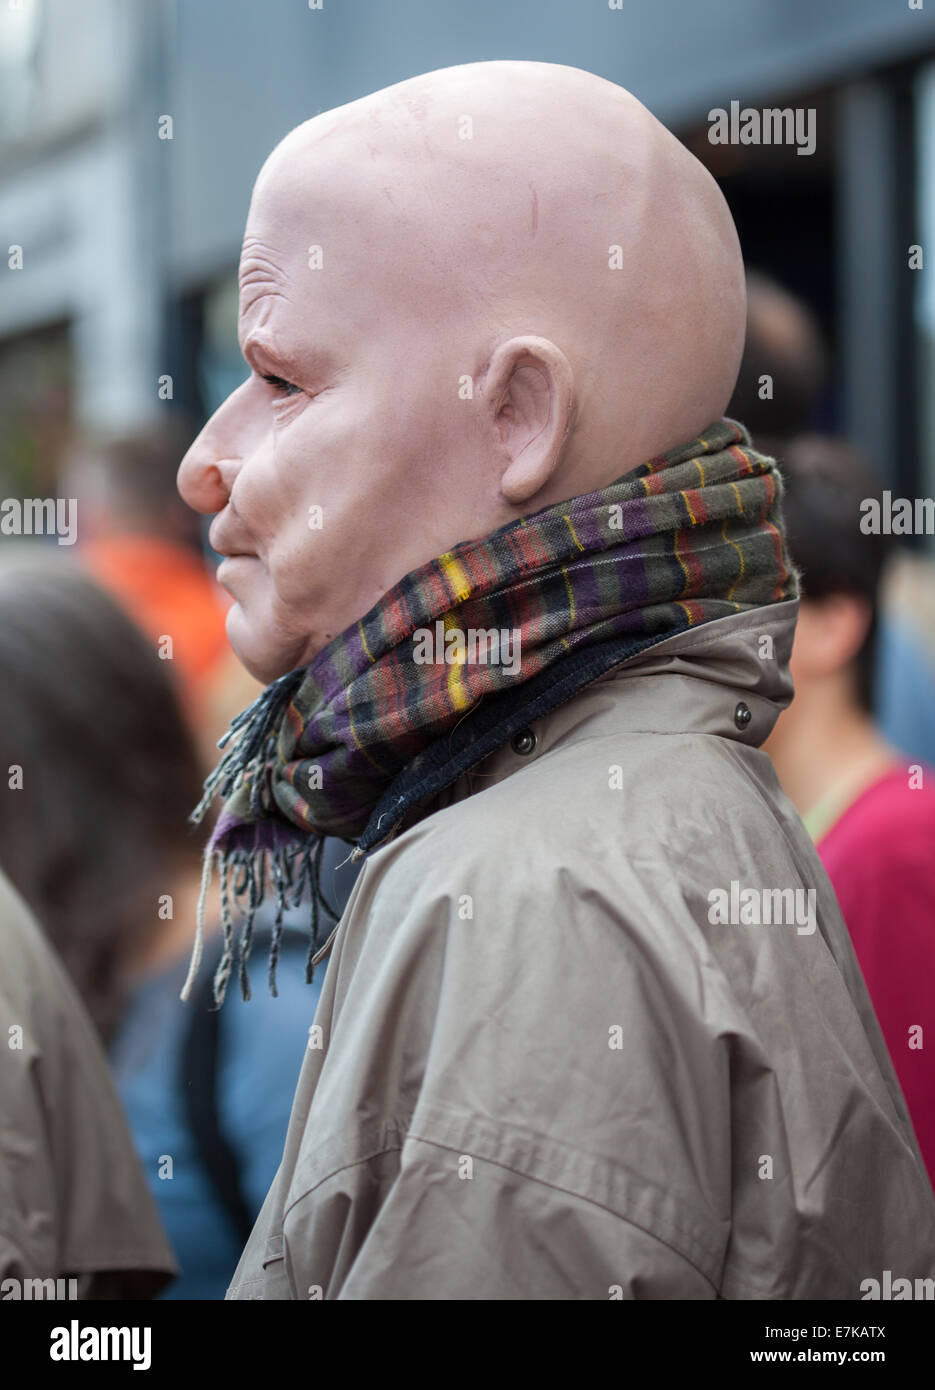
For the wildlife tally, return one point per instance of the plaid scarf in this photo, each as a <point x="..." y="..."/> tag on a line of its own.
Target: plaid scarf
<point x="408" y="698"/>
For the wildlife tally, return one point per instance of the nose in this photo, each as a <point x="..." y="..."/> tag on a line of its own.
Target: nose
<point x="207" y="472"/>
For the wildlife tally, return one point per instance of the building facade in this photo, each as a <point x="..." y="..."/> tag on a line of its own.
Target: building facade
<point x="131" y="132"/>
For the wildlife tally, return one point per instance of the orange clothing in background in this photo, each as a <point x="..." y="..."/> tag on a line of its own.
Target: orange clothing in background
<point x="167" y="590"/>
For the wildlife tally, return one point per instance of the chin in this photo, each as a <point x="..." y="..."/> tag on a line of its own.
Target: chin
<point x="256" y="656"/>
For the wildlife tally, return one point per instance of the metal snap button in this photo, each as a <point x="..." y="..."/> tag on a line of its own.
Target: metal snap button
<point x="742" y="715"/>
<point x="523" y="742"/>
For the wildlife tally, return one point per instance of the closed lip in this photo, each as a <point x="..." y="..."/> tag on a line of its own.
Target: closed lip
<point x="227" y="571"/>
<point x="223" y="546"/>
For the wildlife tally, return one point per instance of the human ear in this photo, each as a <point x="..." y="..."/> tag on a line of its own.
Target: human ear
<point x="529" y="388"/>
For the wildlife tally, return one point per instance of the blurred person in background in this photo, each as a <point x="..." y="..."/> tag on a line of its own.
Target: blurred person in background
<point x="904" y="690"/>
<point x="98" y="842"/>
<point x="784" y="343"/>
<point x="74" y="1204"/>
<point x="143" y="546"/>
<point x="870" y="814"/>
<point x="779" y="394"/>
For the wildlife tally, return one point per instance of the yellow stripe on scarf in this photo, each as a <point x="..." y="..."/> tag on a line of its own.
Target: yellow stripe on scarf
<point x="457" y="690"/>
<point x="568" y="589"/>
<point x="363" y="642"/>
<point x="675" y="547"/>
<point x="570" y="592"/>
<point x="567" y="520"/>
<point x="726" y="537"/>
<point x="456" y="575"/>
<point x="460" y="586"/>
<point x="374" y="762"/>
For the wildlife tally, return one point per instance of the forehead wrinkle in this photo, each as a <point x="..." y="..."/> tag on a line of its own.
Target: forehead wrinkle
<point x="255" y="249"/>
<point x="265" y="297"/>
<point x="258" y="265"/>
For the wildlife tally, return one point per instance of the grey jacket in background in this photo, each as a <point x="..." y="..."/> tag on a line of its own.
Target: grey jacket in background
<point x="545" y="1073"/>
<point x="73" y="1199"/>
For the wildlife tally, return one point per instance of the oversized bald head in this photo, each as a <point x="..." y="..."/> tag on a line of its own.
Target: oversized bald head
<point x="463" y="298"/>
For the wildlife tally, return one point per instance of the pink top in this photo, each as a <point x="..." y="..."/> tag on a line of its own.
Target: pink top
<point x="880" y="857"/>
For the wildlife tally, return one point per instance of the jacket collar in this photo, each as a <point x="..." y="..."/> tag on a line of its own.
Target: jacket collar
<point x="729" y="677"/>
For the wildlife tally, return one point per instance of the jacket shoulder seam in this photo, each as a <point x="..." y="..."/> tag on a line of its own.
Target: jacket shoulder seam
<point x="581" y="1197"/>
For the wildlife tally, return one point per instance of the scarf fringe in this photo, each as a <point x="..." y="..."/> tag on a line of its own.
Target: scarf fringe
<point x="250" y="752"/>
<point x="295" y="872"/>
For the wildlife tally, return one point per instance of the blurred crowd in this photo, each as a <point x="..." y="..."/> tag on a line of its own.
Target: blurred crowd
<point x="855" y="750"/>
<point x="118" y="681"/>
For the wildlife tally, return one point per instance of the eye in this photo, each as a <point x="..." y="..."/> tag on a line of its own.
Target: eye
<point x="286" y="388"/>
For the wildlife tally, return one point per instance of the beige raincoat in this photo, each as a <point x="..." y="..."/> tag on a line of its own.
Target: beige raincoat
<point x="545" y="1067"/>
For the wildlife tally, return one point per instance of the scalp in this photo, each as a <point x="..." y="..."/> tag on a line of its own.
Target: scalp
<point x="512" y="230"/>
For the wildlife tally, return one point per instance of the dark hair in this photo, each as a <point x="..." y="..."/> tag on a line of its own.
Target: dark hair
<point x="825" y="483"/>
<point x="100" y="827"/>
<point x="783" y="342"/>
